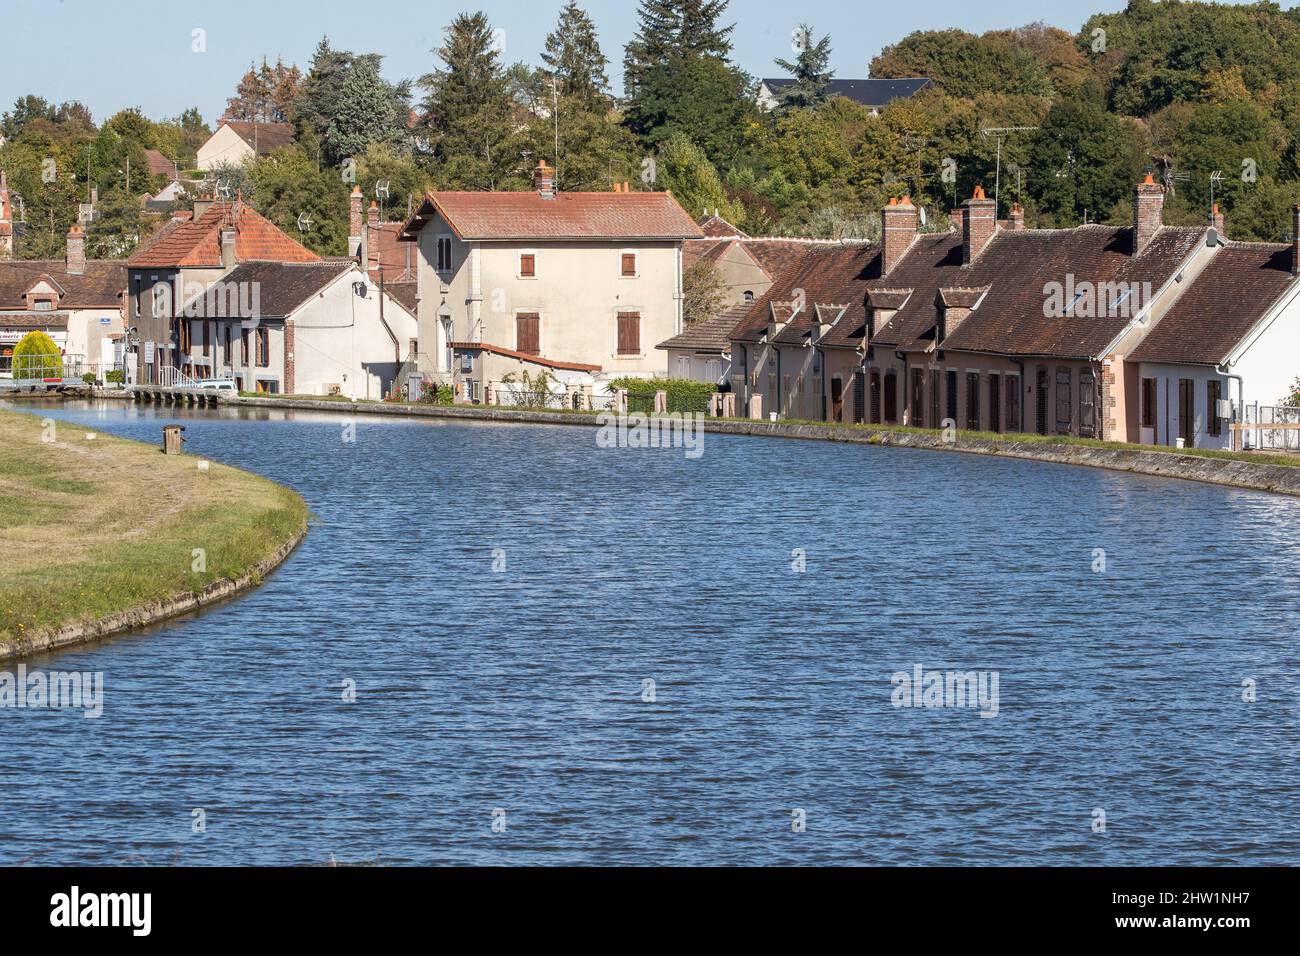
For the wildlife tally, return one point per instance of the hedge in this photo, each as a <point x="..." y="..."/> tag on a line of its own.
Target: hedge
<point x="684" y="394"/>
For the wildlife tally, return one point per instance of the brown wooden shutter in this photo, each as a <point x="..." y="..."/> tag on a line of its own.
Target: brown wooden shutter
<point x="629" y="333"/>
<point x="527" y="265"/>
<point x="629" y="263"/>
<point x="528" y="333"/>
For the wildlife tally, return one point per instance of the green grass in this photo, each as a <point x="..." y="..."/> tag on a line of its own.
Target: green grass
<point x="89" y="528"/>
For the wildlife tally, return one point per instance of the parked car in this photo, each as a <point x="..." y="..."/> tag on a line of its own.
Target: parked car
<point x="219" y="384"/>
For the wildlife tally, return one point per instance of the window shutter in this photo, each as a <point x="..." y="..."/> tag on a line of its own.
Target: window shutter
<point x="527" y="265"/>
<point x="528" y="338"/>
<point x="629" y="333"/>
<point x="629" y="263"/>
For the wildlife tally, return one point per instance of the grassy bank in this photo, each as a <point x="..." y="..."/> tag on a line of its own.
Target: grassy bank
<point x="94" y="526"/>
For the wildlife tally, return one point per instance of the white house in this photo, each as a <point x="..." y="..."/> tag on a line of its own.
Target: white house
<point x="236" y="141"/>
<point x="1229" y="343"/>
<point x="577" y="285"/>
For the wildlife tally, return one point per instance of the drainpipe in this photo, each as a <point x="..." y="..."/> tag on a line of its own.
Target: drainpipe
<point x="1241" y="395"/>
<point x="1020" y="399"/>
<point x="397" y="346"/>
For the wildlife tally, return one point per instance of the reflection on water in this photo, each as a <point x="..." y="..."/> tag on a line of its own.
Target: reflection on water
<point x="524" y="689"/>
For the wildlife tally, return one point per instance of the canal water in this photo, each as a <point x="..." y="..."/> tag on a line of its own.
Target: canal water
<point x="501" y="596"/>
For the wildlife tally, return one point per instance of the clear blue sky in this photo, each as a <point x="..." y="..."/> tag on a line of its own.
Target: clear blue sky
<point x="111" y="54"/>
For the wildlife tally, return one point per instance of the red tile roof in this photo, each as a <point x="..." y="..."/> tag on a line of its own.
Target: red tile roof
<point x="1232" y="293"/>
<point x="523" y="357"/>
<point x="197" y="243"/>
<point x="527" y="215"/>
<point x="715" y="226"/>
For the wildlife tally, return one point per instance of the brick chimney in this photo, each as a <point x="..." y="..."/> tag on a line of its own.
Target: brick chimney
<point x="354" y="213"/>
<point x="958" y="217"/>
<point x="372" y="216"/>
<point x="1295" y="240"/>
<point x="898" y="224"/>
<point x="1148" y="212"/>
<point x="1016" y="221"/>
<point x="76" y="251"/>
<point x="1216" y="220"/>
<point x="544" y="180"/>
<point x="978" y="225"/>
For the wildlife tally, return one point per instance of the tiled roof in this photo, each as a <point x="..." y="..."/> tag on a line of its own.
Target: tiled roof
<point x="524" y="357"/>
<point x="197" y="243"/>
<point x="1019" y="265"/>
<point x="715" y="226"/>
<point x="283" y="287"/>
<point x="932" y="263"/>
<point x="527" y="215"/>
<point x="826" y="274"/>
<point x="265" y="137"/>
<point x="159" y="165"/>
<point x="703" y="250"/>
<point x="405" y="294"/>
<point x="711" y="335"/>
<point x="1232" y="293"/>
<point x="100" y="287"/>
<point x="33" y="320"/>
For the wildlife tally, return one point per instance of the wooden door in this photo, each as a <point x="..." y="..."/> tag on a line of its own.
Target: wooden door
<point x="837" y="399"/>
<point x="1187" y="412"/>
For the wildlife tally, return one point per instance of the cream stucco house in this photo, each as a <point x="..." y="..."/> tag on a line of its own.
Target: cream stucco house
<point x="581" y="286"/>
<point x="236" y="142"/>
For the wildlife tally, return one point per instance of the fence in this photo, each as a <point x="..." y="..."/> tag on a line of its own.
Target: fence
<point x="1270" y="427"/>
<point x="31" y="368"/>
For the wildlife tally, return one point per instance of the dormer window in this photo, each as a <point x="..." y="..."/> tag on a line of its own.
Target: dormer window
<point x="43" y="305"/>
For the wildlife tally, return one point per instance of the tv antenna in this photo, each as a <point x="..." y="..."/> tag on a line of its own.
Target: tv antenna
<point x="1216" y="177"/>
<point x="1001" y="132"/>
<point x="304" y="222"/>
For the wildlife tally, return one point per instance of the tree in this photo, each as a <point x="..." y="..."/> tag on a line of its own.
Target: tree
<point x="467" y="107"/>
<point x="811" y="76"/>
<point x="291" y="191"/>
<point x="678" y="78"/>
<point x="36" y="356"/>
<point x="682" y="168"/>
<point x="573" y="55"/>
<point x="265" y="94"/>
<point x="364" y="114"/>
<point x="116" y="230"/>
<point x="704" y="294"/>
<point x="1087" y="162"/>
<point x="26" y="108"/>
<point x="962" y="64"/>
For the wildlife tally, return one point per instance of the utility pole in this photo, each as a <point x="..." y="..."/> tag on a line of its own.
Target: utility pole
<point x="1000" y="132"/>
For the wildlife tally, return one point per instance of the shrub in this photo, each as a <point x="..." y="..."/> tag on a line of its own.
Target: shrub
<point x="116" y="376"/>
<point x="36" y="356"/>
<point x="684" y="394"/>
<point x="434" y="393"/>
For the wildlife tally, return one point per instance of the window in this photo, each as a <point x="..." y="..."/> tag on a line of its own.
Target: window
<point x="1064" y="403"/>
<point x="444" y="253"/>
<point x="629" y="265"/>
<point x="527" y="265"/>
<point x="629" y="333"/>
<point x="528" y="333"/>
<point x="973" y="401"/>
<point x="263" y="347"/>
<point x="1087" y="405"/>
<point x="1148" y="403"/>
<point x="891" y="396"/>
<point x="995" y="403"/>
<point x="1213" y="392"/>
<point x="43" y="305"/>
<point x="184" y="333"/>
<point x="749" y="295"/>
<point x="207" y="338"/>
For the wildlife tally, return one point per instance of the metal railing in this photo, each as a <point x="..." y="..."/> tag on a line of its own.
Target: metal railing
<point x="41" y="368"/>
<point x="169" y="376"/>
<point x="1270" y="427"/>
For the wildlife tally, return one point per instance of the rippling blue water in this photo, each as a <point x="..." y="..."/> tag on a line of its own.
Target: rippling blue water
<point x="522" y="690"/>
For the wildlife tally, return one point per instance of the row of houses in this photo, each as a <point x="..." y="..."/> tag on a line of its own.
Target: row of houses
<point x="1145" y="333"/>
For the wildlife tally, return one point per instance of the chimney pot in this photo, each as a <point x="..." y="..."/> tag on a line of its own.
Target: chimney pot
<point x="1017" y="217"/>
<point x="1216" y="220"/>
